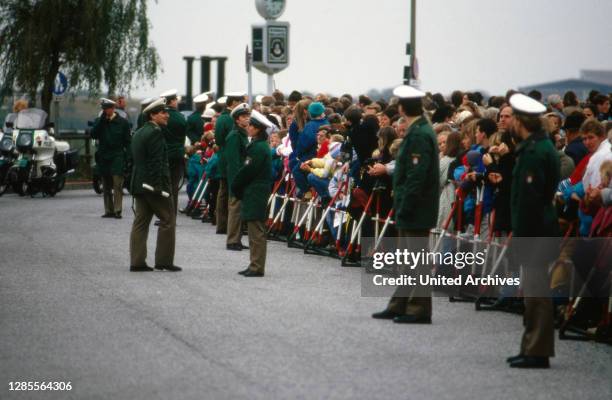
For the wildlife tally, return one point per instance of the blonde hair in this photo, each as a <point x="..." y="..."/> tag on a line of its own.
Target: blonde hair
<point x="299" y="111"/>
<point x="336" y="137"/>
<point x="605" y="171"/>
<point x="19" y="105"/>
<point x="394" y="148"/>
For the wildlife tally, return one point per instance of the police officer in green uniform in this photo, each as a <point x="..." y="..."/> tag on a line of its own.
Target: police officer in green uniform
<point x="142" y="118"/>
<point x="415" y="201"/>
<point x="223" y="126"/>
<point x="175" y="133"/>
<point x="534" y="227"/>
<point x="252" y="185"/>
<point x="235" y="154"/>
<point x="150" y="187"/>
<point x="113" y="135"/>
<point x="195" y="123"/>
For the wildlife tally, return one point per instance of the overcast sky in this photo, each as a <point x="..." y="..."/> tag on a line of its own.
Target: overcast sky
<point x="353" y="46"/>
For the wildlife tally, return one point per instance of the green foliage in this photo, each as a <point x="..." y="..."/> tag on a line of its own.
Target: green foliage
<point x="94" y="42"/>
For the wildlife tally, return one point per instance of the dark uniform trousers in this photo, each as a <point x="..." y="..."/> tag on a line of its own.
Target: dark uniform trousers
<point x="234" y="223"/>
<point x="147" y="205"/>
<point x="112" y="185"/>
<point x="539" y="336"/>
<point x="414" y="300"/>
<point x="258" y="245"/>
<point x="177" y="172"/>
<point x="222" y="203"/>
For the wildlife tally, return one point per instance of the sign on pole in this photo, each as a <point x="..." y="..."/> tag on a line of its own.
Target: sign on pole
<point x="270" y="46"/>
<point x="61" y="84"/>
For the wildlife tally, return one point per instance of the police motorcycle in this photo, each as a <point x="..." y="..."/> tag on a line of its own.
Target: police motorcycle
<point x="8" y="155"/>
<point x="43" y="163"/>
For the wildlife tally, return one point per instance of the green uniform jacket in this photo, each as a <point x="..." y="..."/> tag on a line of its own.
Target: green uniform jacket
<point x="141" y="120"/>
<point x="253" y="183"/>
<point x="534" y="182"/>
<point x="113" y="144"/>
<point x="175" y="134"/>
<point x="416" y="194"/>
<point x="150" y="160"/>
<point x="195" y="127"/>
<point x="223" y="126"/>
<point x="235" y="154"/>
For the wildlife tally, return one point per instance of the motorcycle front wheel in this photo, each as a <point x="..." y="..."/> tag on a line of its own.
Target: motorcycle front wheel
<point x="96" y="182"/>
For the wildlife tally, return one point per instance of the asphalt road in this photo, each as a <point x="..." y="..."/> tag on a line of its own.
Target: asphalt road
<point x="71" y="311"/>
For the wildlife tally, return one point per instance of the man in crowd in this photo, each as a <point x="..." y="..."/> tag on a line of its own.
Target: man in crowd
<point x="174" y="133"/>
<point x="113" y="135"/>
<point x="150" y="187"/>
<point x="224" y="125"/>
<point x="416" y="199"/>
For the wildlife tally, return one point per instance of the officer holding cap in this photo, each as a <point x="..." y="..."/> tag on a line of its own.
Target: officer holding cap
<point x="150" y="179"/>
<point x="195" y="123"/>
<point x="415" y="201"/>
<point x="113" y="135"/>
<point x="252" y="185"/>
<point x="223" y="126"/>
<point x="235" y="153"/>
<point x="175" y="133"/>
<point x="534" y="225"/>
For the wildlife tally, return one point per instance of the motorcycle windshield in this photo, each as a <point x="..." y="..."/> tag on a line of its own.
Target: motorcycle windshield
<point x="31" y="118"/>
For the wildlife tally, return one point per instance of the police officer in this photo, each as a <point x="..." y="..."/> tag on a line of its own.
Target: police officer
<point x="415" y="201"/>
<point x="534" y="225"/>
<point x="223" y="126"/>
<point x="252" y="185"/>
<point x="235" y="154"/>
<point x="195" y="123"/>
<point x="175" y="133"/>
<point x="113" y="135"/>
<point x="142" y="118"/>
<point x="150" y="187"/>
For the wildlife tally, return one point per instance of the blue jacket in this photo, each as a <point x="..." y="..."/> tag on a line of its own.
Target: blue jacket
<point x="307" y="140"/>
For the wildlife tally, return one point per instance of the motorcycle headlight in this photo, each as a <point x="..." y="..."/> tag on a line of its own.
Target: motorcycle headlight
<point x="6" y="144"/>
<point x="24" y="140"/>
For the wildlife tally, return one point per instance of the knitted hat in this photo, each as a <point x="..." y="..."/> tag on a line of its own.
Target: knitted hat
<point x="316" y="109"/>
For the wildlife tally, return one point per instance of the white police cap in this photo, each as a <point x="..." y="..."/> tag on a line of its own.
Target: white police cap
<point x="209" y="105"/>
<point x="258" y="98"/>
<point x="260" y="120"/>
<point x="171" y="94"/>
<point x="209" y="113"/>
<point x="222" y="100"/>
<point x="235" y="94"/>
<point x="107" y="103"/>
<point x="526" y="105"/>
<point x="148" y="101"/>
<point x="407" y="92"/>
<point x="155" y="106"/>
<point x="201" y="98"/>
<point x="240" y="109"/>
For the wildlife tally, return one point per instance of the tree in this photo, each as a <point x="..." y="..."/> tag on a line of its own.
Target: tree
<point x="93" y="42"/>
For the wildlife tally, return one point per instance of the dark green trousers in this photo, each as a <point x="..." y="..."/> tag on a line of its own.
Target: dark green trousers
<point x="147" y="205"/>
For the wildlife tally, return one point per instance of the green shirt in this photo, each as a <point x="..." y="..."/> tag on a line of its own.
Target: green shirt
<point x="174" y="134"/>
<point x="150" y="160"/>
<point x="113" y="144"/>
<point x="235" y="154"/>
<point x="534" y="182"/>
<point x="416" y="194"/>
<point x="195" y="126"/>
<point x="223" y="126"/>
<point x="253" y="183"/>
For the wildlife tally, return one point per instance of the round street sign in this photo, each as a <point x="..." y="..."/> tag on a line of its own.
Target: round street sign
<point x="60" y="85"/>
